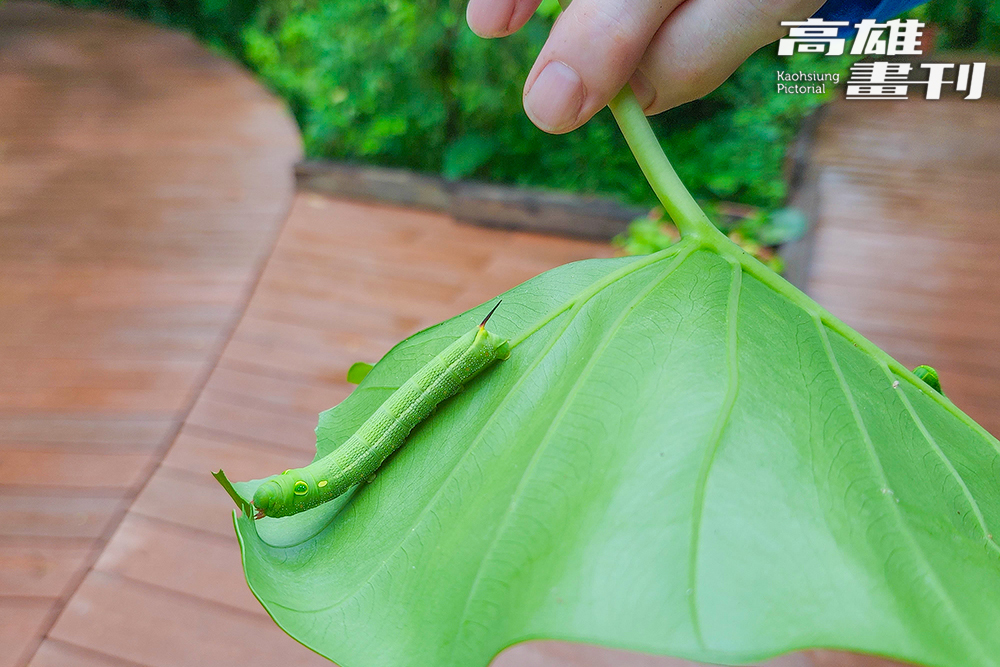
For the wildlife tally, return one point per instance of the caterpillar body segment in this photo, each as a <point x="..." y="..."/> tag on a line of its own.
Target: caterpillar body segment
<point x="384" y="431"/>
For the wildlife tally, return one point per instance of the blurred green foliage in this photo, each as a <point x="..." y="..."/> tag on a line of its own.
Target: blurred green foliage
<point x="971" y="25"/>
<point x="755" y="230"/>
<point x="406" y="83"/>
<point x="219" y="23"/>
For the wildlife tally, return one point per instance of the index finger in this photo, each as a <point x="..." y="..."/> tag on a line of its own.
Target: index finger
<point x="497" y="18"/>
<point x="592" y="51"/>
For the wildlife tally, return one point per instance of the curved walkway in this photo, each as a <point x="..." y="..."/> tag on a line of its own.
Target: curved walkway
<point x="908" y="245"/>
<point x="142" y="184"/>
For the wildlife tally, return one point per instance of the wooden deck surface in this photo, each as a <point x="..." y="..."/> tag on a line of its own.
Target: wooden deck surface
<point x="143" y="182"/>
<point x="145" y="341"/>
<point x="908" y="247"/>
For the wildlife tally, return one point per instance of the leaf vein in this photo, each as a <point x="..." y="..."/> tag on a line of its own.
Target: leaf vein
<point x="556" y="420"/>
<point x="936" y="448"/>
<point x="932" y="575"/>
<point x="712" y="447"/>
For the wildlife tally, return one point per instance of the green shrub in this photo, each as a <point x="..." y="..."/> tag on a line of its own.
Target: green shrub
<point x="220" y="23"/>
<point x="405" y="83"/>
<point x="357" y="79"/>
<point x="972" y="25"/>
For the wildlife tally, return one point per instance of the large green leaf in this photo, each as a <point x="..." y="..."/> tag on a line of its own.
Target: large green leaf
<point x="683" y="455"/>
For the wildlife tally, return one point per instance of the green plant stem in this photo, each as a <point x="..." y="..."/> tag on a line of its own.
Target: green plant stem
<point x="691" y="221"/>
<point x="676" y="200"/>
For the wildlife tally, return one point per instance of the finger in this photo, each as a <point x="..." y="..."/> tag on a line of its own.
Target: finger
<point x="591" y="52"/>
<point x="703" y="42"/>
<point x="497" y="18"/>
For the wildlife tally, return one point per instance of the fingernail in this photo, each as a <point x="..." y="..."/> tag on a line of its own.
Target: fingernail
<point x="643" y="89"/>
<point x="553" y="102"/>
<point x="486" y="21"/>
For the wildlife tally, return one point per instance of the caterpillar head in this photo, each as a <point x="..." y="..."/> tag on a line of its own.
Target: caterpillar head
<point x="267" y="499"/>
<point x="283" y="495"/>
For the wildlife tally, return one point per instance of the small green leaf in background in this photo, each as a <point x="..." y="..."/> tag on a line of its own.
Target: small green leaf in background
<point x="358" y="372"/>
<point x="467" y="154"/>
<point x="782" y="226"/>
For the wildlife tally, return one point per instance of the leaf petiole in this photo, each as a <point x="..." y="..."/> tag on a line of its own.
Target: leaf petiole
<point x="691" y="221"/>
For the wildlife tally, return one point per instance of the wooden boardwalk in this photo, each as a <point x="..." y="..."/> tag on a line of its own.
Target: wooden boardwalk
<point x="169" y="305"/>
<point x="908" y="249"/>
<point x="142" y="185"/>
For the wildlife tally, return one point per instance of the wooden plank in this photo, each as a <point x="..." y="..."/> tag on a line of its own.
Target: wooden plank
<point x="372" y="183"/>
<point x="199" y="564"/>
<point x="94" y="287"/>
<point x="197" y="451"/>
<point x="45" y="324"/>
<point x="319" y="313"/>
<point x="307" y="289"/>
<point x="841" y="659"/>
<point x="143" y="624"/>
<point x="487" y="204"/>
<point x="46" y="468"/>
<point x="563" y="654"/>
<point x="40" y="569"/>
<point x="300" y="397"/>
<point x="195" y="501"/>
<point x="36" y="515"/>
<point x="250" y="422"/>
<point x="127" y="250"/>
<point x="339" y="338"/>
<point x="308" y="354"/>
<point x="21" y="621"/>
<point x="907" y="252"/>
<point x="108" y="432"/>
<point x="155" y="388"/>
<point x="938" y="319"/>
<point x="431" y="248"/>
<point x="434" y="259"/>
<point x="52" y="653"/>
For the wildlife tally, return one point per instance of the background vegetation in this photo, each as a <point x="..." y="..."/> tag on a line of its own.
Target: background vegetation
<point x="405" y="83"/>
<point x="970" y="25"/>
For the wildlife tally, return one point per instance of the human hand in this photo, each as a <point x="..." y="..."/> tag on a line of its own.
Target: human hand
<point x="669" y="51"/>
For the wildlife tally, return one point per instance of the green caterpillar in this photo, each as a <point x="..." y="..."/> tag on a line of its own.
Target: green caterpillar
<point x="385" y="430"/>
<point x="930" y="376"/>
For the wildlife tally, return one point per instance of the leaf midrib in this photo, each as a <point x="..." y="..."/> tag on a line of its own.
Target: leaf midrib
<point x="557" y="419"/>
<point x="712" y="447"/>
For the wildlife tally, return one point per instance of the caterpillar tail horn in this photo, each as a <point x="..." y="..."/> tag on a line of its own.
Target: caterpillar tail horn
<point x="490" y="314"/>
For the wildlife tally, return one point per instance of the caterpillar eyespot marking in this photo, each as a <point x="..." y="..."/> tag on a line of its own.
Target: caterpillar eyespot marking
<point x="930" y="376"/>
<point x="357" y="458"/>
